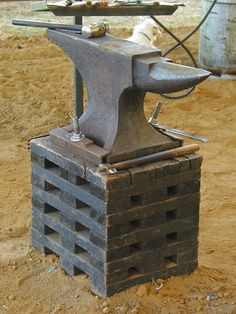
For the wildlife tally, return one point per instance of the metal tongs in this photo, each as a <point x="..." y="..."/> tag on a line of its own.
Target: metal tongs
<point x="165" y="129"/>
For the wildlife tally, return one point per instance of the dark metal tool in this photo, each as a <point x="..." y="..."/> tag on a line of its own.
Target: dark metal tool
<point x="168" y="154"/>
<point x="47" y="25"/>
<point x="117" y="74"/>
<point x="97" y="29"/>
<point x="181" y="133"/>
<point x="159" y="127"/>
<point x="77" y="135"/>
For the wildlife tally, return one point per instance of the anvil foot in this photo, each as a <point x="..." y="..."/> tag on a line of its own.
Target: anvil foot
<point x="88" y="151"/>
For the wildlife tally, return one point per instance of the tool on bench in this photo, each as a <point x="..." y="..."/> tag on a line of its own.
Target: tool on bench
<point x="159" y="127"/>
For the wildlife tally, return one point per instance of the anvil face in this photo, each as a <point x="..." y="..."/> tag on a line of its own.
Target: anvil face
<point x="117" y="74"/>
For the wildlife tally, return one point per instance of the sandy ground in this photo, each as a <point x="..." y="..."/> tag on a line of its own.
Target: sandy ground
<point x="36" y="94"/>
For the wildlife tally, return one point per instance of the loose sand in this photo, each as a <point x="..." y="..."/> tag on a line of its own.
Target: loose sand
<point x="36" y="93"/>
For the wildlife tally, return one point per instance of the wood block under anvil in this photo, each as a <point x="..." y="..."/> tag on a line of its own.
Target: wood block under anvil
<point x="121" y="230"/>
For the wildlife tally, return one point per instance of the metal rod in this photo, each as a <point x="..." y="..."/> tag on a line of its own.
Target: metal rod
<point x="78" y="82"/>
<point x="179" y="132"/>
<point x="156" y="112"/>
<point x="47" y="25"/>
<point x="171" y="153"/>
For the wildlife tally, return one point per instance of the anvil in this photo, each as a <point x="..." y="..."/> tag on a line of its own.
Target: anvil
<point x="117" y="74"/>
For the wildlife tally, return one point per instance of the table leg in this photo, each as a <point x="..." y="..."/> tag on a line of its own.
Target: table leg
<point x="78" y="82"/>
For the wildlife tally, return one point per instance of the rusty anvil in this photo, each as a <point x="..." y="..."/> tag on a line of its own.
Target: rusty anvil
<point x="117" y="74"/>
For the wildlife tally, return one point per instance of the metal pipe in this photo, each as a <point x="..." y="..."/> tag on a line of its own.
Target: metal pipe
<point x="167" y="154"/>
<point x="47" y="25"/>
<point x="78" y="82"/>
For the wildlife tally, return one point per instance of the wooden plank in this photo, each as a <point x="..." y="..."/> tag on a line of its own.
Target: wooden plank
<point x="184" y="204"/>
<point x="78" y="215"/>
<point x="76" y="191"/>
<point x="43" y="148"/>
<point x="80" y="238"/>
<point x="78" y="260"/>
<point x="85" y="149"/>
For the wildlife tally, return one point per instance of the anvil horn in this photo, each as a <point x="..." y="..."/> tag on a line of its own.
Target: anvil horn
<point x="163" y="77"/>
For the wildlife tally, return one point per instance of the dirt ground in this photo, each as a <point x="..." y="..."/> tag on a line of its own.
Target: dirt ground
<point x="36" y="94"/>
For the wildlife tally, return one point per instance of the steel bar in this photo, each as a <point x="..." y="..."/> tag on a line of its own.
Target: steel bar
<point x="167" y="154"/>
<point x="180" y="132"/>
<point x="47" y="25"/>
<point x="78" y="82"/>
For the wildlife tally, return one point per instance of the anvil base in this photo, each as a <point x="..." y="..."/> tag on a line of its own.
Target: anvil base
<point x="121" y="230"/>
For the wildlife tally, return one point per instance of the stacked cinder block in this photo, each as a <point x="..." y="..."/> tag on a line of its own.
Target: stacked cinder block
<point x="120" y="229"/>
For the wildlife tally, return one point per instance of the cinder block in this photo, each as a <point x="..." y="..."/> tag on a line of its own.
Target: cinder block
<point x="121" y="230"/>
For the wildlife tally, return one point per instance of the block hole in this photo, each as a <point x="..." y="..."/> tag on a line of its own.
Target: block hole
<point x="48" y="230"/>
<point x="136" y="200"/>
<point x="134" y="248"/>
<point x="80" y="227"/>
<point x="171" y="215"/>
<point x="79" y="180"/>
<point x="171" y="237"/>
<point x="77" y="271"/>
<point x="170" y="261"/>
<point x="52" y="234"/>
<point x="47" y="251"/>
<point x="50" y="165"/>
<point x="50" y="187"/>
<point x="172" y="191"/>
<point x="78" y="249"/>
<point x="133" y="271"/>
<point x="134" y="224"/>
<point x="79" y="204"/>
<point x="49" y="209"/>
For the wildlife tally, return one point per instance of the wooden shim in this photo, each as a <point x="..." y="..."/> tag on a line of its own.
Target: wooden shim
<point x="85" y="149"/>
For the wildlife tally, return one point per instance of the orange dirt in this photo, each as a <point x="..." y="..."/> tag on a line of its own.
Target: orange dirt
<point x="36" y="93"/>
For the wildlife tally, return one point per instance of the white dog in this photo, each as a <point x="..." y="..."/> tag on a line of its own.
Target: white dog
<point x="145" y="33"/>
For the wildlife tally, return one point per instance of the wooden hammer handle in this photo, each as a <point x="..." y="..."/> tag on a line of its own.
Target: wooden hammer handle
<point x="167" y="154"/>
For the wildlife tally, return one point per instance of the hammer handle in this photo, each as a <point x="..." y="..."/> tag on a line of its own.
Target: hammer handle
<point x="167" y="154"/>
